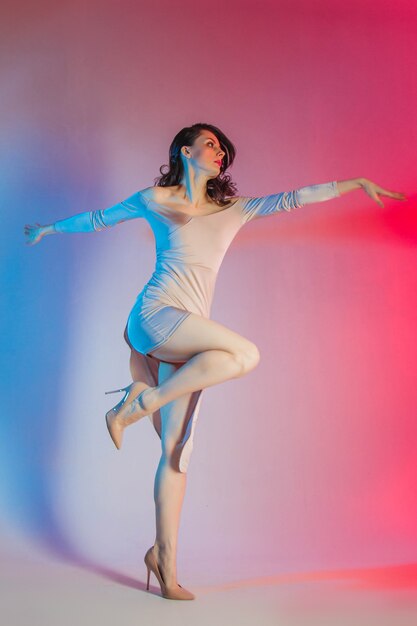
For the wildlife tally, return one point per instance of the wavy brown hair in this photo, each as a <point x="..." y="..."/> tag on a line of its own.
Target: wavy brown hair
<point x="218" y="188"/>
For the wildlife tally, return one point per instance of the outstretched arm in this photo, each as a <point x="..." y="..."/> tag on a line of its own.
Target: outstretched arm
<point x="90" y="221"/>
<point x="372" y="189"/>
<point x="254" y="208"/>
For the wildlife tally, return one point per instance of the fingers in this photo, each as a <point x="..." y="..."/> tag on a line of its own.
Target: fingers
<point x="397" y="195"/>
<point x="392" y="194"/>
<point x="29" y="232"/>
<point x="373" y="192"/>
<point x="32" y="233"/>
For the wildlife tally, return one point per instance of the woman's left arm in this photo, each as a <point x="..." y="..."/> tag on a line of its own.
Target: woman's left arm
<point x="372" y="189"/>
<point x="254" y="208"/>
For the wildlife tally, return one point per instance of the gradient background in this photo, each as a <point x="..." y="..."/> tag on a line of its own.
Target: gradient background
<point x="309" y="462"/>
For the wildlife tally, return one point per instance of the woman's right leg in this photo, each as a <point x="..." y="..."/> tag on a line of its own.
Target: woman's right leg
<point x="211" y="354"/>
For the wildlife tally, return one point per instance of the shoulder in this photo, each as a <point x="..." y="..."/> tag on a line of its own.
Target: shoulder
<point x="235" y="201"/>
<point x="156" y="193"/>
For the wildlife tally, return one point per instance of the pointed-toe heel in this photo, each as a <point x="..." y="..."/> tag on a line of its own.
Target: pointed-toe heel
<point x="170" y="593"/>
<point x="117" y="423"/>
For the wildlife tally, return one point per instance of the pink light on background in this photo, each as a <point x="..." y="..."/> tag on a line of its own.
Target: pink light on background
<point x="309" y="462"/>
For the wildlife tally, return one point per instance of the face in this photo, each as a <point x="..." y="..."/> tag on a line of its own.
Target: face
<point x="206" y="153"/>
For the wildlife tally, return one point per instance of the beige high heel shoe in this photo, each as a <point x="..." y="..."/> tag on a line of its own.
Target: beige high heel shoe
<point x="171" y="593"/>
<point x="116" y="418"/>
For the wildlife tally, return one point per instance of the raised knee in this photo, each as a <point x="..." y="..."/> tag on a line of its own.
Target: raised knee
<point x="249" y="358"/>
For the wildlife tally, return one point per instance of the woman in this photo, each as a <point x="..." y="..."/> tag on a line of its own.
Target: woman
<point x="176" y="350"/>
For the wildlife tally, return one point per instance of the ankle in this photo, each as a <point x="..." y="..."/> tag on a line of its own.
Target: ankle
<point x="165" y="551"/>
<point x="150" y="399"/>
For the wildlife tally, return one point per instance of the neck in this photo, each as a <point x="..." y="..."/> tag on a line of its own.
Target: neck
<point x="194" y="188"/>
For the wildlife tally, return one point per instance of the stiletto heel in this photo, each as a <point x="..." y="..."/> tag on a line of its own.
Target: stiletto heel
<point x="117" y="423"/>
<point x="114" y="390"/>
<point x="171" y="593"/>
<point x="149" y="575"/>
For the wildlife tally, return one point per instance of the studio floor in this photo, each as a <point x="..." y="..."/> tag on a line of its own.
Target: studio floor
<point x="40" y="589"/>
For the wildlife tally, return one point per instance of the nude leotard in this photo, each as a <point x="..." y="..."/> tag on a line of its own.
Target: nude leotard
<point x="189" y="253"/>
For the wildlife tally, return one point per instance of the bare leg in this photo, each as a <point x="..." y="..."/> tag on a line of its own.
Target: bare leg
<point x="170" y="484"/>
<point x="212" y="354"/>
<point x="203" y="370"/>
<point x="169" y="493"/>
<point x="202" y="353"/>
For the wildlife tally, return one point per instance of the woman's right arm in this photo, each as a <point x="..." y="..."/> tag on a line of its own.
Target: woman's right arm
<point x="90" y="221"/>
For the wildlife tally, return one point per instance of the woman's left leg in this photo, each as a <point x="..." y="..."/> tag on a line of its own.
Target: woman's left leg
<point x="170" y="483"/>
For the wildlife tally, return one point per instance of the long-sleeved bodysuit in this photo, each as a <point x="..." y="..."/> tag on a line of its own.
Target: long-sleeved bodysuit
<point x="189" y="252"/>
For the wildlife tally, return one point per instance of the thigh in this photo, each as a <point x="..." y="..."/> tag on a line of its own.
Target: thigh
<point x="196" y="334"/>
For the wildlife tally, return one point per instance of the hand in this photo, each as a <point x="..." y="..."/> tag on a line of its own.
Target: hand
<point x="373" y="190"/>
<point x="34" y="233"/>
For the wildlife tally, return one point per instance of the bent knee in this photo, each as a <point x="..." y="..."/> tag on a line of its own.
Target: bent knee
<point x="249" y="358"/>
